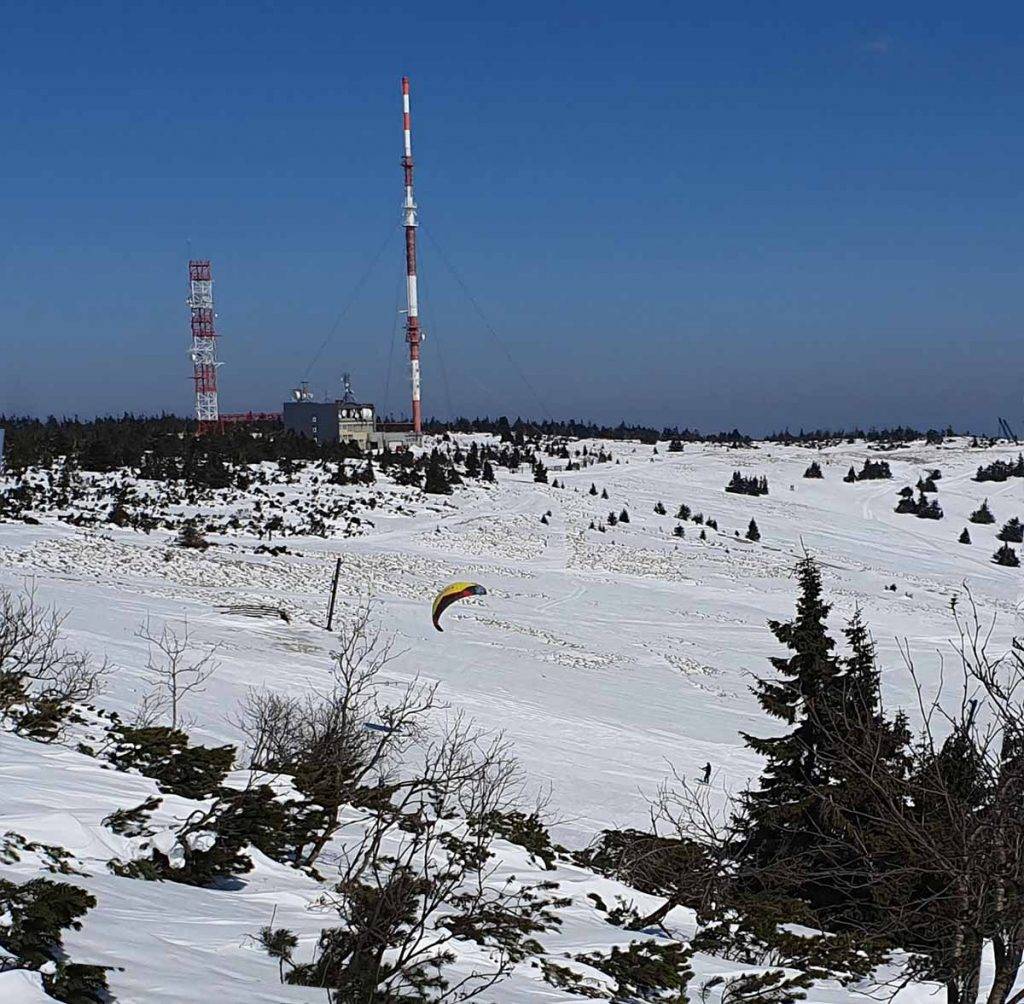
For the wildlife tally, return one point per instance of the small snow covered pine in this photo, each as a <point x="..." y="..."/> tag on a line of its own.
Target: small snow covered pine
<point x="593" y="488"/>
<point x="752" y="531"/>
<point x="965" y="537"/>
<point x="1007" y="556"/>
<point x="660" y="509"/>
<point x="623" y="516"/>
<point x="814" y="470"/>
<point x="982" y="514"/>
<point x="1012" y="531"/>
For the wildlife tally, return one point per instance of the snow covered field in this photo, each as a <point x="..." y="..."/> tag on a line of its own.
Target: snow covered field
<point x="606" y="658"/>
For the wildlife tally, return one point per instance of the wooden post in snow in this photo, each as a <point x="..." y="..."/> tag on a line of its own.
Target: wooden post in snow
<point x="334" y="593"/>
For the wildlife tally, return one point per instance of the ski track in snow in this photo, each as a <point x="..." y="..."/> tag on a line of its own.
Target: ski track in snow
<point x="605" y="658"/>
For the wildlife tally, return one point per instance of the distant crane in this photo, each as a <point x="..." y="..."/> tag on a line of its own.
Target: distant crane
<point x="1008" y="432"/>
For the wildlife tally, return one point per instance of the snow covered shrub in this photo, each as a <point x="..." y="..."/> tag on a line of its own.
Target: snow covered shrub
<point x="813" y="470"/>
<point x="165" y="755"/>
<point x="646" y="970"/>
<point x="210" y="845"/>
<point x="54" y="859"/>
<point x="527" y="830"/>
<point x="772" y="987"/>
<point x="32" y="918"/>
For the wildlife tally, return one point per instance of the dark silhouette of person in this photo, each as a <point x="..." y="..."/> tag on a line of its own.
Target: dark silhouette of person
<point x="707" y="774"/>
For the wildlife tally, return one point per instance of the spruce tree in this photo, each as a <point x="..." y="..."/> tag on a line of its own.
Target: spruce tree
<point x="844" y="893"/>
<point x="982" y="514"/>
<point x="436" y="482"/>
<point x="1012" y="531"/>
<point x="752" y="531"/>
<point x="1007" y="556"/>
<point x="488" y="473"/>
<point x="593" y="488"/>
<point x="779" y="825"/>
<point x="540" y="473"/>
<point x="965" y="537"/>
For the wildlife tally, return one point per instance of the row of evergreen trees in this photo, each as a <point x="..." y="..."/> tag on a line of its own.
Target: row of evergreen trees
<point x="577" y="429"/>
<point x="897" y="435"/>
<point x="872" y="470"/>
<point x="921" y="507"/>
<point x="740" y="485"/>
<point x="1000" y="470"/>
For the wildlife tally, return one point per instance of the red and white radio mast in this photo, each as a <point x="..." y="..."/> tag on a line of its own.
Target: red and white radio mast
<point x="204" y="344"/>
<point x="412" y="319"/>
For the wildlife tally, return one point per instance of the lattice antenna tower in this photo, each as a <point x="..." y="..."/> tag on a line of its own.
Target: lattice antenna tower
<point x="203" y="350"/>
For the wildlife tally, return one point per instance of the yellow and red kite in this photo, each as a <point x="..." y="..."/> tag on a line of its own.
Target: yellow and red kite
<point x="448" y="595"/>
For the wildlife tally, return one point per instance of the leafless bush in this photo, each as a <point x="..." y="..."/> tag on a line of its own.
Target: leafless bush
<point x="176" y="670"/>
<point x="402" y="802"/>
<point x="41" y="679"/>
<point x="416" y="875"/>
<point x="342" y="744"/>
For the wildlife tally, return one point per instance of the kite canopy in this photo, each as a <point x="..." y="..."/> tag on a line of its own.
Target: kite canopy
<point x="448" y="595"/>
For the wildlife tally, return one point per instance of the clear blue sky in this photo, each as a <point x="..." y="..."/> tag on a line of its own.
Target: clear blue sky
<point x="712" y="215"/>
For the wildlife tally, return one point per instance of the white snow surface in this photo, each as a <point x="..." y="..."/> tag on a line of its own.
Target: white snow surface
<point x="606" y="658"/>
